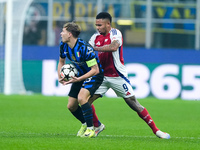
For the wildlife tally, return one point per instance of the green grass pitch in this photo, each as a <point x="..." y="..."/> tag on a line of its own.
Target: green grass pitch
<point x="43" y="122"/>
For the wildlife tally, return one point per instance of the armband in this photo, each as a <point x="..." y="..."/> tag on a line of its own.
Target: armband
<point x="91" y="62"/>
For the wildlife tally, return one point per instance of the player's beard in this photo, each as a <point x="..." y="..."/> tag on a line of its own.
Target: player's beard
<point x="102" y="33"/>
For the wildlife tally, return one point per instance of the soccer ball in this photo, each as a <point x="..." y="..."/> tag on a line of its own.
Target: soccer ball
<point x="67" y="71"/>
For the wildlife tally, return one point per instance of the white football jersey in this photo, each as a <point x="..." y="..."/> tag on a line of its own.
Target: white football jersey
<point x="112" y="62"/>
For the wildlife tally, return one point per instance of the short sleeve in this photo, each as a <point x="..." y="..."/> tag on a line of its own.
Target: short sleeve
<point x="116" y="35"/>
<point x="92" y="39"/>
<point x="62" y="55"/>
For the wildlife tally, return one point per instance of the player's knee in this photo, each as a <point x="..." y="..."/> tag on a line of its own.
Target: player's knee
<point x="134" y="104"/>
<point x="69" y="107"/>
<point x="93" y="98"/>
<point x="132" y="98"/>
<point x="82" y="100"/>
<point x="72" y="108"/>
<point x="138" y="105"/>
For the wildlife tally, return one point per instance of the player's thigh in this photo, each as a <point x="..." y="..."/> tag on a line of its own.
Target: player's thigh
<point x="103" y="88"/>
<point x="93" y="83"/>
<point x="121" y="86"/>
<point x="75" y="89"/>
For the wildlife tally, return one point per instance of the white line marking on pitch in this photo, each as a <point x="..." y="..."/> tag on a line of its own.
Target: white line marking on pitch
<point x="6" y="134"/>
<point x="192" y="138"/>
<point x="131" y="136"/>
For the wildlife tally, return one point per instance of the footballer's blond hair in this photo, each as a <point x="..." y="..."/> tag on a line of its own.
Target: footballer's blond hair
<point x="73" y="28"/>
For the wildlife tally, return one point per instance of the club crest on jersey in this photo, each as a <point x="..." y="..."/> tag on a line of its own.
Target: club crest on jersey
<point x="73" y="57"/>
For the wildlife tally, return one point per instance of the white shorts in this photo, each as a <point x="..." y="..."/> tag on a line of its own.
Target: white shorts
<point x="121" y="87"/>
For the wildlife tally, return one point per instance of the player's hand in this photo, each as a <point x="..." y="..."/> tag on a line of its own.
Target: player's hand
<point x="62" y="80"/>
<point x="74" y="79"/>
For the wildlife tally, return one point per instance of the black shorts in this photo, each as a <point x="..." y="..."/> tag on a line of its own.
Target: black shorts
<point x="91" y="84"/>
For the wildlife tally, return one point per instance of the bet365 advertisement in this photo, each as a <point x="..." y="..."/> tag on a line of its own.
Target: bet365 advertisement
<point x="164" y="81"/>
<point x="164" y="74"/>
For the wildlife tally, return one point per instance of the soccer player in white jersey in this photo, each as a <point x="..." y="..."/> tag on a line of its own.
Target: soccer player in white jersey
<point x="108" y="42"/>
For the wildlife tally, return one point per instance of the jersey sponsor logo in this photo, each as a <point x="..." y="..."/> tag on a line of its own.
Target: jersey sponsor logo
<point x="65" y="52"/>
<point x="79" y="63"/>
<point x="98" y="43"/>
<point x="106" y="40"/>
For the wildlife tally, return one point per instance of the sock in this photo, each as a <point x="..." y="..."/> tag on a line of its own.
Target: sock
<point x="96" y="121"/>
<point x="87" y="114"/>
<point x="79" y="115"/>
<point x="91" y="128"/>
<point x="147" y="118"/>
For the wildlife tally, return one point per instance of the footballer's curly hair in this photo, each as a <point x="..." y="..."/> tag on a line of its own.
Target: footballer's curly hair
<point x="104" y="15"/>
<point x="73" y="28"/>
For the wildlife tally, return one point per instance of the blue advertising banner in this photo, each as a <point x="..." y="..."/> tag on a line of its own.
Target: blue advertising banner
<point x="165" y="74"/>
<point x="140" y="55"/>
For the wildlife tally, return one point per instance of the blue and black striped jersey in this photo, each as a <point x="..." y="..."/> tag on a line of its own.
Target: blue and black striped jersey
<point x="79" y="55"/>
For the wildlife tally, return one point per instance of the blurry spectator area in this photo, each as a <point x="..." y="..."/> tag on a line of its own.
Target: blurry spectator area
<point x="57" y="28"/>
<point x="135" y="38"/>
<point x="35" y="33"/>
<point x="173" y="23"/>
<point x="35" y="28"/>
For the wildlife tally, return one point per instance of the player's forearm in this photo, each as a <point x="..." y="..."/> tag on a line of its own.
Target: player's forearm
<point x="108" y="48"/>
<point x="94" y="70"/>
<point x="60" y="64"/>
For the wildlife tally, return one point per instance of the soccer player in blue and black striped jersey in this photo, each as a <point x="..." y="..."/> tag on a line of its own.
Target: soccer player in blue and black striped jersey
<point x="90" y="76"/>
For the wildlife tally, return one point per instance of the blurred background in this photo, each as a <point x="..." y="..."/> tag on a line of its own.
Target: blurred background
<point x="172" y="22"/>
<point x="161" y="44"/>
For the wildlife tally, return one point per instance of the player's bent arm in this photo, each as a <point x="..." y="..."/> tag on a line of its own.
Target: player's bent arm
<point x="94" y="70"/>
<point x="60" y="64"/>
<point x="108" y="48"/>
